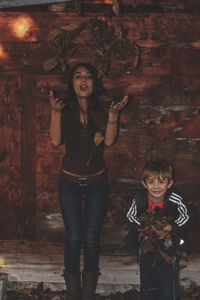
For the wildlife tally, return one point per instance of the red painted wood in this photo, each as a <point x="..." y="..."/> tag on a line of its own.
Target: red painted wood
<point x="161" y="120"/>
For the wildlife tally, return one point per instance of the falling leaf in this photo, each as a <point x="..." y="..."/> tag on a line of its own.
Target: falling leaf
<point x="70" y="27"/>
<point x="57" y="7"/>
<point x="136" y="57"/>
<point x="78" y="5"/>
<point x="98" y="138"/>
<point x="53" y="34"/>
<point x="105" y="98"/>
<point x="50" y="64"/>
<point x="115" y="7"/>
<point x="99" y="36"/>
<point x="101" y="74"/>
<point x="118" y="31"/>
<point x="99" y="52"/>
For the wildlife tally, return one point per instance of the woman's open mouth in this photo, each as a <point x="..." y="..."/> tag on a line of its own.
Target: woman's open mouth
<point x="83" y="87"/>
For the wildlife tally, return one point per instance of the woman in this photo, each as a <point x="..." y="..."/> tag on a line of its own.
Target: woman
<point x="85" y="127"/>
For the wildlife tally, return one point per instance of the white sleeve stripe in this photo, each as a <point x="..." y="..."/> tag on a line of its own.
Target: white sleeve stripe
<point x="132" y="209"/>
<point x="131" y="219"/>
<point x="131" y="215"/>
<point x="182" y="209"/>
<point x="184" y="221"/>
<point x="183" y="218"/>
<point x="176" y="196"/>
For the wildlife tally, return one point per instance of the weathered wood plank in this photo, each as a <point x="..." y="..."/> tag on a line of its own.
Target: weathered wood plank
<point x="18" y="57"/>
<point x="176" y="122"/>
<point x="170" y="60"/>
<point x="152" y="30"/>
<point x="147" y="129"/>
<point x="105" y="6"/>
<point x="143" y="90"/>
<point x="10" y="156"/>
<point x="137" y="141"/>
<point x="29" y="159"/>
<point x="154" y="90"/>
<point x="161" y="119"/>
<point x="177" y="88"/>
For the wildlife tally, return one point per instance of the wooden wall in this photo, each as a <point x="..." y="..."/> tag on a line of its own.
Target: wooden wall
<point x="162" y="118"/>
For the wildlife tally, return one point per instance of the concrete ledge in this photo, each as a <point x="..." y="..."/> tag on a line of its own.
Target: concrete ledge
<point x="3" y="285"/>
<point x="118" y="274"/>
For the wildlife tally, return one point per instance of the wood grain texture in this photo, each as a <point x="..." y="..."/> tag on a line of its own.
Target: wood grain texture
<point x="10" y="156"/>
<point x="162" y="118"/>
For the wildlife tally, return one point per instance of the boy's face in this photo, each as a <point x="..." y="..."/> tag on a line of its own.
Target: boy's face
<point x="157" y="185"/>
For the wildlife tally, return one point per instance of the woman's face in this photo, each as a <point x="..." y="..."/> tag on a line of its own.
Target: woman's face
<point x="82" y="83"/>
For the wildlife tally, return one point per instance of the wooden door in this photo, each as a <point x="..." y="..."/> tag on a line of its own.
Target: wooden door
<point x="29" y="165"/>
<point x="49" y="223"/>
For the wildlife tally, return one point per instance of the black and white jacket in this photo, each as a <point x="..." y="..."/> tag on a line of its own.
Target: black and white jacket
<point x="174" y="206"/>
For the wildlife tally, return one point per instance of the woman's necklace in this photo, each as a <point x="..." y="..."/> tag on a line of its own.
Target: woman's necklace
<point x="83" y="117"/>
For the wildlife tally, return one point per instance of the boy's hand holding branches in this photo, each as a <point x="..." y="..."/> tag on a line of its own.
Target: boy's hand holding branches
<point x="155" y="224"/>
<point x="162" y="233"/>
<point x="156" y="228"/>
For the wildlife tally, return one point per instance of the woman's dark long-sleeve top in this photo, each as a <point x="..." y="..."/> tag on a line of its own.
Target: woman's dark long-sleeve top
<point x="174" y="206"/>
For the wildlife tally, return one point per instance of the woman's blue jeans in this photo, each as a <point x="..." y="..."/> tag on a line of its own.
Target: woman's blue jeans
<point x="83" y="209"/>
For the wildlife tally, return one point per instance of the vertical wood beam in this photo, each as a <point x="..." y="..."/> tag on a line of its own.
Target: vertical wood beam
<point x="28" y="158"/>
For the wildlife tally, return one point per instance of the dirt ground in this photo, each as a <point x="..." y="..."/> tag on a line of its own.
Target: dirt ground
<point x="39" y="293"/>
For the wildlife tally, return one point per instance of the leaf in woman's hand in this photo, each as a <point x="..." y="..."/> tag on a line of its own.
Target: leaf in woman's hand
<point x="50" y="64"/>
<point x="115" y="7"/>
<point x="98" y="138"/>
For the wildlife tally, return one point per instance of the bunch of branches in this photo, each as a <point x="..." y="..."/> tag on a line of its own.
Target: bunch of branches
<point x="99" y="36"/>
<point x="156" y="236"/>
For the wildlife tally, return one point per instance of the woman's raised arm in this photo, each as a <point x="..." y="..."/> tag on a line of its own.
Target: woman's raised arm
<point x="113" y="120"/>
<point x="55" y="122"/>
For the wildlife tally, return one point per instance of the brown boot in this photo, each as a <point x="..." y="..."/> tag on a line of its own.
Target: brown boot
<point x="72" y="281"/>
<point x="89" y="284"/>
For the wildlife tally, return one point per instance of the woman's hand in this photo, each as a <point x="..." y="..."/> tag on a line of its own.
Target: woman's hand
<point x="119" y="105"/>
<point x="56" y="104"/>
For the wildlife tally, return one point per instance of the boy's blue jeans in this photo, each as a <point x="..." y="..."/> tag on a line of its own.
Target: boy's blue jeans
<point x="83" y="209"/>
<point x="158" y="282"/>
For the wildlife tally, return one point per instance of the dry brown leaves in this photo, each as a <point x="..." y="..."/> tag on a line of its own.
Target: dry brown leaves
<point x="39" y="293"/>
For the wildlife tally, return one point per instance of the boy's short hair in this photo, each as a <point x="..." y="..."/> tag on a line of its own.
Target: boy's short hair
<point x="158" y="168"/>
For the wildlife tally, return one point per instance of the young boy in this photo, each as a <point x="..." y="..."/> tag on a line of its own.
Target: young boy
<point x="159" y="215"/>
